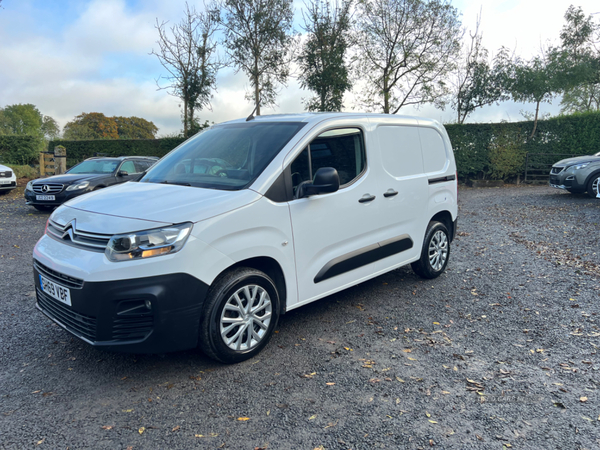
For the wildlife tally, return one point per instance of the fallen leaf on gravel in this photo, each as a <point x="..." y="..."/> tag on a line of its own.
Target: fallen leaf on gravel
<point x="41" y="442"/>
<point x="445" y="392"/>
<point x="432" y="421"/>
<point x="586" y="418"/>
<point x="427" y="414"/>
<point x="559" y="405"/>
<point x="312" y="417"/>
<point x="260" y="448"/>
<point x="141" y="430"/>
<point x="330" y="384"/>
<point x="243" y="419"/>
<point x="411" y="359"/>
<point x="309" y="375"/>
<point x="374" y="380"/>
<point x="436" y="323"/>
<point x="176" y="428"/>
<point x="128" y="410"/>
<point x="36" y="392"/>
<point x="400" y="380"/>
<point x="107" y="427"/>
<point x="583" y="399"/>
<point x="407" y="350"/>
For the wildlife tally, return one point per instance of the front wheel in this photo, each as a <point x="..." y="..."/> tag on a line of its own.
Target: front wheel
<point x="239" y="315"/>
<point x="435" y="251"/>
<point x="593" y="187"/>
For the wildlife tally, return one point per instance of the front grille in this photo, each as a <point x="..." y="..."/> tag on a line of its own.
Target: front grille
<point x="556" y="170"/>
<point x="57" y="277"/>
<point x="78" y="324"/>
<point x="70" y="234"/>
<point x="132" y="328"/>
<point x="6" y="174"/>
<point x="47" y="188"/>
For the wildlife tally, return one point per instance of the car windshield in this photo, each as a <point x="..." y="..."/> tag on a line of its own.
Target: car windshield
<point x="229" y="156"/>
<point x="95" y="166"/>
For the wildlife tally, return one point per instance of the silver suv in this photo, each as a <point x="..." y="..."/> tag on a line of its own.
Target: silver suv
<point x="577" y="175"/>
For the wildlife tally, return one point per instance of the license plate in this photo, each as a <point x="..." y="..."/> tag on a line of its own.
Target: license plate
<point x="60" y="293"/>
<point x="45" y="197"/>
<point x="5" y="181"/>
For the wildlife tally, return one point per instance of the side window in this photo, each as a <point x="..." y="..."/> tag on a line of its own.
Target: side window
<point x="128" y="167"/>
<point x="141" y="165"/>
<point x="342" y="148"/>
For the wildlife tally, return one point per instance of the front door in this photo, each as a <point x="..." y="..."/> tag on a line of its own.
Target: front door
<point x="336" y="235"/>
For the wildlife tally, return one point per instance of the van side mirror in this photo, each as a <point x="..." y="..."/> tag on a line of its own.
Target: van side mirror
<point x="326" y="180"/>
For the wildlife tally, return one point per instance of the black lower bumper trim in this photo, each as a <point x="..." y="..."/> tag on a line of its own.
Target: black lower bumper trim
<point x="141" y="315"/>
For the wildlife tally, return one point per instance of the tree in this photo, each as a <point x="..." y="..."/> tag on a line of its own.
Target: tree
<point x="188" y="52"/>
<point x="323" y="68"/>
<point x="135" y="128"/>
<point x="258" y="40"/>
<point x="538" y="80"/>
<point x="476" y="82"/>
<point x="26" y="119"/>
<point x="91" y="126"/>
<point x="579" y="42"/>
<point x="406" y="50"/>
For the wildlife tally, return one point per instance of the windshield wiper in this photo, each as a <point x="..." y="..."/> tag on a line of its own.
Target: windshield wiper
<point x="179" y="183"/>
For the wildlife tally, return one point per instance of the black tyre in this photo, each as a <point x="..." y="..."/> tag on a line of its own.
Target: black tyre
<point x="435" y="252"/>
<point x="593" y="187"/>
<point x="239" y="316"/>
<point x="43" y="208"/>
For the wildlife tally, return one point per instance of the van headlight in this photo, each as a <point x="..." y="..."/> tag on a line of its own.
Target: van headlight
<point x="148" y="243"/>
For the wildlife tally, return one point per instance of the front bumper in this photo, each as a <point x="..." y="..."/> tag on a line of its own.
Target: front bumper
<point x="114" y="315"/>
<point x="11" y="185"/>
<point x="566" y="180"/>
<point x="59" y="198"/>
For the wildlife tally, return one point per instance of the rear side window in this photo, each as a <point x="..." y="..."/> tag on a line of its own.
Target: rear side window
<point x="141" y="165"/>
<point x="434" y="150"/>
<point x="400" y="150"/>
<point x="343" y="149"/>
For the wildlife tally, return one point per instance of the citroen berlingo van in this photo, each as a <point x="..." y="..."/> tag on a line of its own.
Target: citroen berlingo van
<point x="243" y="222"/>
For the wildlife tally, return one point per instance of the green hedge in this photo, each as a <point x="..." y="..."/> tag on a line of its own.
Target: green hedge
<point x="497" y="151"/>
<point x="19" y="150"/>
<point x="77" y="151"/>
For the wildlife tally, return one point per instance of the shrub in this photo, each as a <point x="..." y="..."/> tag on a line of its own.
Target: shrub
<point x="24" y="171"/>
<point x="18" y="149"/>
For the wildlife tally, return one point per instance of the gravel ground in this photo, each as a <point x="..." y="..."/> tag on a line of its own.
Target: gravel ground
<point x="499" y="352"/>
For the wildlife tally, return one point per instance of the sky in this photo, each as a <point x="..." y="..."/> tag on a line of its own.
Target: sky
<point x="73" y="56"/>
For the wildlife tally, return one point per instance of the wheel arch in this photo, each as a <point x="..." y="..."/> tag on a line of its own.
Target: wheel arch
<point x="272" y="268"/>
<point x="595" y="173"/>
<point x="446" y="218"/>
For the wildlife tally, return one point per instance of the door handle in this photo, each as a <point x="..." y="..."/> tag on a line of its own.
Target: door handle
<point x="390" y="193"/>
<point x="366" y="198"/>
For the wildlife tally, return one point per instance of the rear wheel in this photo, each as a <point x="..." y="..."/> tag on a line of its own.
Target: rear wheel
<point x="435" y="251"/>
<point x="239" y="315"/>
<point x="593" y="187"/>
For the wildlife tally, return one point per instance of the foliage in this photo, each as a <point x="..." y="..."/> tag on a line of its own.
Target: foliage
<point x="19" y="149"/>
<point x="258" y="39"/>
<point x="477" y="83"/>
<point x="91" y="126"/>
<point x="323" y="69"/>
<point x="27" y="120"/>
<point x="484" y="151"/>
<point x="188" y="53"/>
<point x="406" y="50"/>
<point x="580" y="37"/>
<point x="77" y="151"/>
<point x="135" y="128"/>
<point x="24" y="171"/>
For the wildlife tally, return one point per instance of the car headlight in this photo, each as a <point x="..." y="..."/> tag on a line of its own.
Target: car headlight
<point x="78" y="186"/>
<point x="148" y="243"/>
<point x="29" y="186"/>
<point x="580" y="165"/>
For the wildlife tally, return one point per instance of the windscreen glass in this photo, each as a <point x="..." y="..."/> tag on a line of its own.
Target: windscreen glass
<point x="228" y="157"/>
<point x="95" y="166"/>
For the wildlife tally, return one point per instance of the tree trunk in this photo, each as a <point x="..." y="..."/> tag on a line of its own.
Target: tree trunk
<point x="537" y="110"/>
<point x="185" y="117"/>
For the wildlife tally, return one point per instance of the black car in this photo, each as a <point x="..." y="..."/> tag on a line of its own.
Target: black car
<point x="93" y="173"/>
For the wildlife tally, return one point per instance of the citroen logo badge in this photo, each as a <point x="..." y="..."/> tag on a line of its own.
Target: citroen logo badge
<point x="45" y="188"/>
<point x="68" y="230"/>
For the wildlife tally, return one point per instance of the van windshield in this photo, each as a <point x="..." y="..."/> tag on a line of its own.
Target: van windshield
<point x="229" y="156"/>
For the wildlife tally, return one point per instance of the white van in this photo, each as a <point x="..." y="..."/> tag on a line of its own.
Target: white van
<point x="243" y="222"/>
